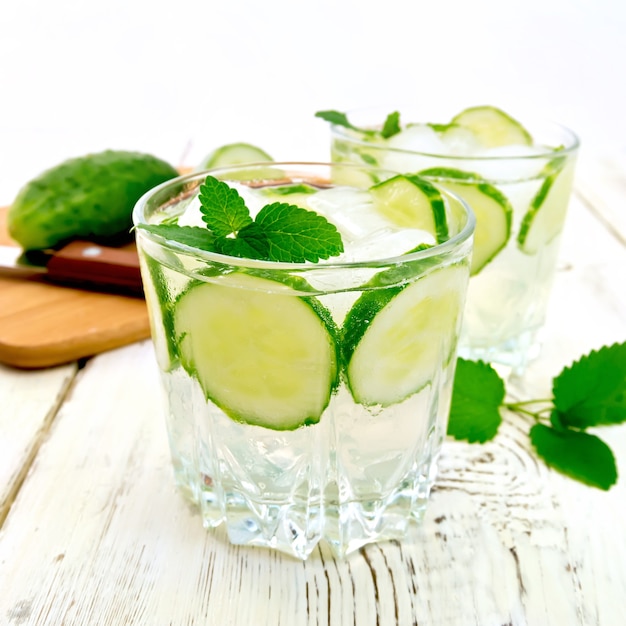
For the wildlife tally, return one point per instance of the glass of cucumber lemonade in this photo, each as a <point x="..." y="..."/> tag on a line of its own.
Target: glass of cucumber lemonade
<point x="516" y="177"/>
<point x="305" y="319"/>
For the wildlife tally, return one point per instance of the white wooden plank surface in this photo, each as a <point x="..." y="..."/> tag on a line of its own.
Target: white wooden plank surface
<point x="98" y="535"/>
<point x="601" y="181"/>
<point x="28" y="401"/>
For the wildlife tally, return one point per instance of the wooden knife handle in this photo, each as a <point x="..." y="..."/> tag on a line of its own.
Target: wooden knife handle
<point x="90" y="264"/>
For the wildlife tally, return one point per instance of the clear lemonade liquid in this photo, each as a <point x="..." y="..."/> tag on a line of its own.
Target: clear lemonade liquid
<point x="528" y="180"/>
<point x="360" y="464"/>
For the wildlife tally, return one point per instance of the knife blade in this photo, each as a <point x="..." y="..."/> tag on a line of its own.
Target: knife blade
<point x="81" y="264"/>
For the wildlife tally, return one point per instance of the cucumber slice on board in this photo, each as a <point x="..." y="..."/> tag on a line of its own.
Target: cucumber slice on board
<point x="233" y="154"/>
<point x="265" y="359"/>
<point x="395" y="340"/>
<point x="412" y="202"/>
<point x="546" y="215"/>
<point x="493" y="127"/>
<point x="493" y="211"/>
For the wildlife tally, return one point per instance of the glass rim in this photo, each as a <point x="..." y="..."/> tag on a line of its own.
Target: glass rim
<point x="570" y="146"/>
<point x="439" y="249"/>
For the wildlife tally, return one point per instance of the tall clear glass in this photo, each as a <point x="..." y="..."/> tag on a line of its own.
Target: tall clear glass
<point x="521" y="190"/>
<point x="305" y="401"/>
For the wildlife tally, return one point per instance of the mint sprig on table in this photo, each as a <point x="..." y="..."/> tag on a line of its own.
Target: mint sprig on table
<point x="589" y="393"/>
<point x="390" y="127"/>
<point x="280" y="232"/>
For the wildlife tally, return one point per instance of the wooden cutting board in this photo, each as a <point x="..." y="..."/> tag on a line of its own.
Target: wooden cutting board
<point x="42" y="325"/>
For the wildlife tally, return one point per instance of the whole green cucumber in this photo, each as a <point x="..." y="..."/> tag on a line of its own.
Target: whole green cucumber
<point x="87" y="196"/>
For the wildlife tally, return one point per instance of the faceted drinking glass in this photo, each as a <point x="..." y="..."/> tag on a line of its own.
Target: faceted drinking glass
<point x="519" y="195"/>
<point x="306" y="401"/>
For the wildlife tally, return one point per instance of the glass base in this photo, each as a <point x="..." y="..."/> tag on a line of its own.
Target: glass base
<point x="358" y="476"/>
<point x="298" y="527"/>
<point x="510" y="358"/>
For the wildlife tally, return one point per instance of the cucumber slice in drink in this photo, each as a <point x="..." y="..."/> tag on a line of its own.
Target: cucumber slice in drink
<point x="233" y="154"/>
<point x="298" y="194"/>
<point x="160" y="307"/>
<point x="290" y="190"/>
<point x="396" y="339"/>
<point x="493" y="127"/>
<point x="458" y="139"/>
<point x="491" y="207"/>
<point x="546" y="215"/>
<point x="267" y="359"/>
<point x="412" y="202"/>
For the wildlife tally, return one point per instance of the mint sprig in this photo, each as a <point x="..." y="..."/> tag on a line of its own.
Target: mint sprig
<point x="280" y="232"/>
<point x="477" y="397"/>
<point x="592" y="391"/>
<point x="390" y="127"/>
<point x="589" y="393"/>
<point x="223" y="209"/>
<point x="577" y="454"/>
<point x="295" y="234"/>
<point x="191" y="236"/>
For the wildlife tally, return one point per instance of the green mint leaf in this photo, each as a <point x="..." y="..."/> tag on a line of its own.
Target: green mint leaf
<point x="223" y="209"/>
<point x="336" y="118"/>
<point x="576" y="454"/>
<point x="246" y="247"/>
<point x="592" y="391"/>
<point x="295" y="235"/>
<point x="556" y="421"/>
<point x="191" y="236"/>
<point x="391" y="126"/>
<point x="477" y="395"/>
<point x="250" y="243"/>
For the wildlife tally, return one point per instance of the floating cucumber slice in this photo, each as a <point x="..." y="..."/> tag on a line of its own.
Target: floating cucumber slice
<point x="298" y="194"/>
<point x="345" y="173"/>
<point x="412" y="202"/>
<point x="491" y="207"/>
<point x="160" y="307"/>
<point x="546" y="215"/>
<point x="458" y="139"/>
<point x="395" y="339"/>
<point x="493" y="127"/>
<point x="289" y="190"/>
<point x="266" y="359"/>
<point x="233" y="154"/>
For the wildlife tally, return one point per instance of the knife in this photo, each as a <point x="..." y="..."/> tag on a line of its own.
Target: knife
<point x="78" y="264"/>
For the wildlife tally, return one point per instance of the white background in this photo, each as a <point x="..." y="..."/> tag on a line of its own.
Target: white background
<point x="181" y="78"/>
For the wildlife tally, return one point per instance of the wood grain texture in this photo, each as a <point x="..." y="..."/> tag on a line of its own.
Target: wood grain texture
<point x="29" y="403"/>
<point x="601" y="182"/>
<point x="98" y="534"/>
<point x="43" y="325"/>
